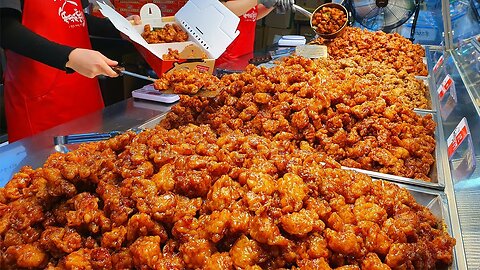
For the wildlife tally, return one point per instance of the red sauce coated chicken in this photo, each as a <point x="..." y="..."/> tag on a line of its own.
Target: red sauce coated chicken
<point x="168" y="33"/>
<point x="328" y="20"/>
<point x="353" y="118"/>
<point x="392" y="49"/>
<point x="189" y="198"/>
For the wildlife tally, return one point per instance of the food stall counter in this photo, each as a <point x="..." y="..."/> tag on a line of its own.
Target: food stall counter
<point x="33" y="151"/>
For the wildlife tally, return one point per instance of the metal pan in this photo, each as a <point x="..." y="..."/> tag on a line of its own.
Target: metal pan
<point x="318" y="9"/>
<point x="437" y="202"/>
<point x="438" y="171"/>
<point x="430" y="94"/>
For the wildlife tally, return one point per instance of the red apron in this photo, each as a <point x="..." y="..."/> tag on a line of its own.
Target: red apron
<point x="244" y="42"/>
<point x="38" y="96"/>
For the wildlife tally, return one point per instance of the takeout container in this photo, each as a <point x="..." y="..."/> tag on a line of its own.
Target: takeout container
<point x="209" y="25"/>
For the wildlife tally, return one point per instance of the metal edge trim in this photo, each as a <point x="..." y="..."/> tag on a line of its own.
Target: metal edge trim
<point x="450" y="195"/>
<point x="397" y="179"/>
<point x="152" y="122"/>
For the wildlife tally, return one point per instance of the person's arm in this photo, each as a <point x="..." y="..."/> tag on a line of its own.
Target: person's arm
<point x="263" y="11"/>
<point x="19" y="39"/>
<point x="240" y="7"/>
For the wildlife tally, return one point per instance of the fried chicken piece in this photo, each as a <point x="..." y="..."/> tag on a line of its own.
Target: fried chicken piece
<point x="196" y="252"/>
<point x="302" y="222"/>
<point x="166" y="34"/>
<point x="146" y="251"/>
<point x="220" y="261"/>
<point x="246" y="252"/>
<point x="172" y="54"/>
<point x="59" y="241"/>
<point x="292" y="192"/>
<point x="28" y="256"/>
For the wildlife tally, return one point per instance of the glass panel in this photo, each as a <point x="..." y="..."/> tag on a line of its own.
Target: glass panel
<point x="465" y="19"/>
<point x="429" y="27"/>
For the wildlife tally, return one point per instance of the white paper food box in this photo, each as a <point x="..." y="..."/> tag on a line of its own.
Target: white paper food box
<point x="209" y="24"/>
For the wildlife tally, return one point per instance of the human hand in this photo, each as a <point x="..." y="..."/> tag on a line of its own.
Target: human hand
<point x="90" y="63"/>
<point x="286" y="4"/>
<point x="283" y="6"/>
<point x="268" y="3"/>
<point x="134" y="19"/>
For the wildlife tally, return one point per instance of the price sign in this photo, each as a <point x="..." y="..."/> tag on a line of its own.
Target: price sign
<point x="457" y="137"/>
<point x="439" y="70"/>
<point x="438" y="64"/>
<point x="312" y="51"/>
<point x="444" y="87"/>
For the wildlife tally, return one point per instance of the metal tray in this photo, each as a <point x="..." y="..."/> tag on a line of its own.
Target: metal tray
<point x="153" y="121"/>
<point x="430" y="94"/>
<point x="438" y="171"/>
<point x="437" y="202"/>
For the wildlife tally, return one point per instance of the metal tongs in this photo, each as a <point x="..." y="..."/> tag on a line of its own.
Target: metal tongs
<point x="201" y="92"/>
<point x="121" y="71"/>
<point x="61" y="141"/>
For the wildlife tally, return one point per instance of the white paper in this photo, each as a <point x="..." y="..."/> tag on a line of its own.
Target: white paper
<point x="122" y="24"/>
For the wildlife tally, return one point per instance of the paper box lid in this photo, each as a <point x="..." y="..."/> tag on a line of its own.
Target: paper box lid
<point x="212" y="25"/>
<point x="208" y="23"/>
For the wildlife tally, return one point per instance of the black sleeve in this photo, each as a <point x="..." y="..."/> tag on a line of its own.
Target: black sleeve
<point x="16" y="37"/>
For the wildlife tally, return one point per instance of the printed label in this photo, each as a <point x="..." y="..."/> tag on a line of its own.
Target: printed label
<point x="438" y="64"/>
<point x="457" y="137"/>
<point x="444" y="86"/>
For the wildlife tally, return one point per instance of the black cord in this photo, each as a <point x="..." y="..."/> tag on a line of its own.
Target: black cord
<point x="415" y="18"/>
<point x="475" y="7"/>
<point x="349" y="6"/>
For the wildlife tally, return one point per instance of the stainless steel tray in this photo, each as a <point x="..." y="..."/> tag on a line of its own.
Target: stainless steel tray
<point x="439" y="168"/>
<point x="437" y="202"/>
<point x="430" y="93"/>
<point x="153" y="121"/>
<point x="436" y="174"/>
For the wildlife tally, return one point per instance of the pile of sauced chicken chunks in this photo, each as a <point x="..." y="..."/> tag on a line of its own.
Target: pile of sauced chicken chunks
<point x="189" y="198"/>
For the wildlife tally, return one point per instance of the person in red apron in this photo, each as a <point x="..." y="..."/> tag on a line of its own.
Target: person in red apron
<point x="242" y="47"/>
<point x="39" y="96"/>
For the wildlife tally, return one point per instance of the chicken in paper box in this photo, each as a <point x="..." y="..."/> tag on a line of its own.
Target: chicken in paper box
<point x="210" y="27"/>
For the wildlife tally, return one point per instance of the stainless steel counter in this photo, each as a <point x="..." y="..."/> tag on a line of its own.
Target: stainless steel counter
<point x="33" y="151"/>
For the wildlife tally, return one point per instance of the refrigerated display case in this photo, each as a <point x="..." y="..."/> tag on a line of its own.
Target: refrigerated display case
<point x="457" y="61"/>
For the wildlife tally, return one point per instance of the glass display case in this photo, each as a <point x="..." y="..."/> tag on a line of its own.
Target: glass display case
<point x="455" y="79"/>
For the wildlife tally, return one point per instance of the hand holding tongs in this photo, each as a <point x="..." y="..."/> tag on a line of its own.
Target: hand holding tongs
<point x="121" y="70"/>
